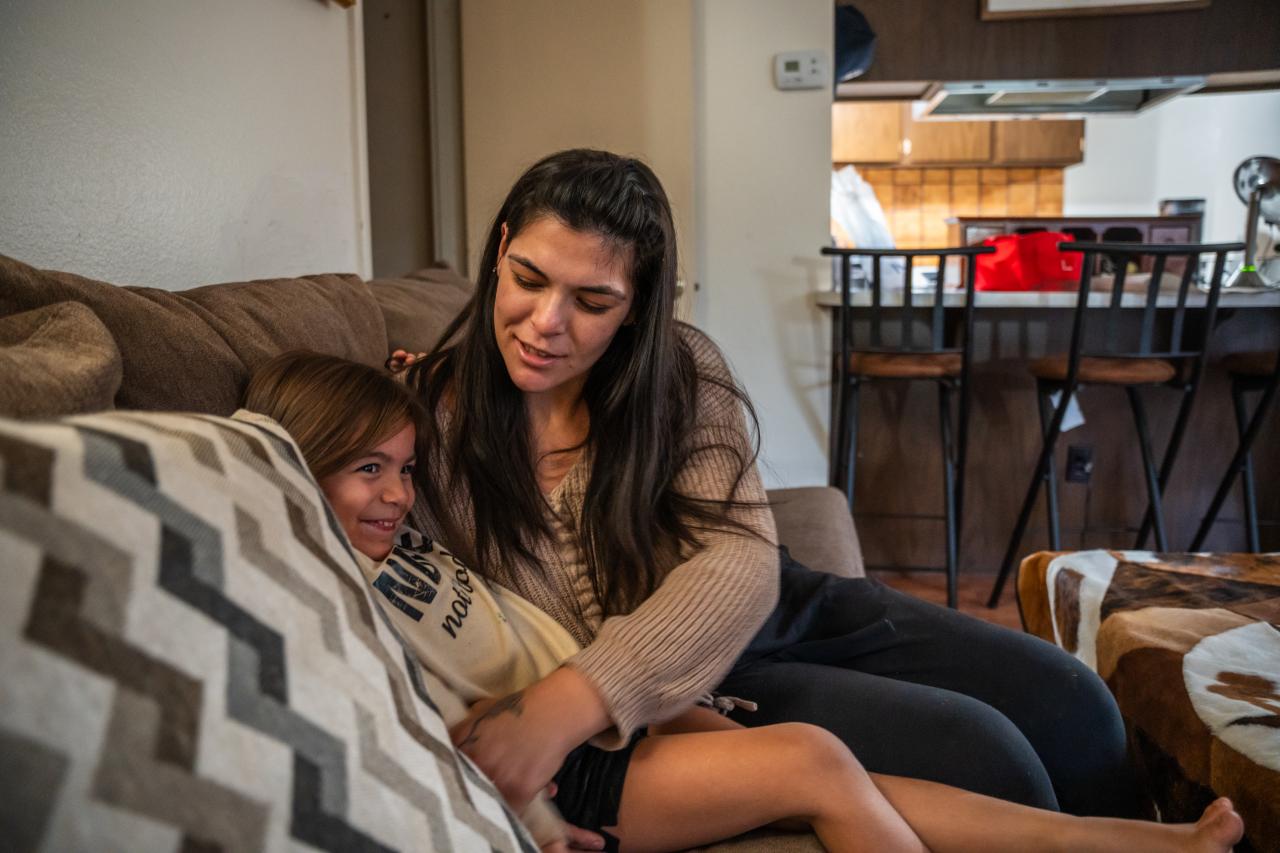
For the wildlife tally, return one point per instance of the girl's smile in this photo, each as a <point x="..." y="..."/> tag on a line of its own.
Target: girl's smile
<point x="372" y="494"/>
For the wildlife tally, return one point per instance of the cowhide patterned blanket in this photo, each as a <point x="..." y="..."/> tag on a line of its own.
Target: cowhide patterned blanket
<point x="1190" y="646"/>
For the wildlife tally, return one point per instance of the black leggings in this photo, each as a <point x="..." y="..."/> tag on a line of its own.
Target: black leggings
<point x="919" y="690"/>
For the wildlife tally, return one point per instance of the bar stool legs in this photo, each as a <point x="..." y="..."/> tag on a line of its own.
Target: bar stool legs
<point x="1171" y="451"/>
<point x="1148" y="466"/>
<point x="1044" y="393"/>
<point x="1043" y="465"/>
<point x="953" y="459"/>
<point x="1046" y="472"/>
<point x="848" y="449"/>
<point x="1250" y="493"/>
<point x="1241" y="457"/>
<point x="949" y="487"/>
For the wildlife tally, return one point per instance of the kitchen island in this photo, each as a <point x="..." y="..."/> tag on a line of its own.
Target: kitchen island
<point x="898" y="491"/>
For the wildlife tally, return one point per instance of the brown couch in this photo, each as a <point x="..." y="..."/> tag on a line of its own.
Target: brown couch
<point x="69" y="345"/>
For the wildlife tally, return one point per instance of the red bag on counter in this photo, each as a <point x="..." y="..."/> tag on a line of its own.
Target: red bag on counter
<point x="1045" y="265"/>
<point x="1028" y="262"/>
<point x="1001" y="270"/>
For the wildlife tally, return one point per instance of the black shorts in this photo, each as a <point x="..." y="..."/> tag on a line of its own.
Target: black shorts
<point x="589" y="787"/>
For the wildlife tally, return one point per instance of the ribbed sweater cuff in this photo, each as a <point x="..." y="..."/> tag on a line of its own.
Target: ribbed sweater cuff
<point x="629" y="700"/>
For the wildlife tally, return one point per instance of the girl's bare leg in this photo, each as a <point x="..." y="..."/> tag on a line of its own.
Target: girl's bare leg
<point x="684" y="790"/>
<point x="950" y="819"/>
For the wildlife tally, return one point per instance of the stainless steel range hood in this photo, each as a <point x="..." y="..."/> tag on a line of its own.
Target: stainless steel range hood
<point x="997" y="99"/>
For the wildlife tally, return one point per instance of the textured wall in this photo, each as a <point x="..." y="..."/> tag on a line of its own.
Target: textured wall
<point x="174" y="144"/>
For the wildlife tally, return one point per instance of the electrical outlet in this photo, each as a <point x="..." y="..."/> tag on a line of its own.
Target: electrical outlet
<point x="1079" y="463"/>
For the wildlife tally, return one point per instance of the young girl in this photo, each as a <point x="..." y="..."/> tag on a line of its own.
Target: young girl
<point x="694" y="780"/>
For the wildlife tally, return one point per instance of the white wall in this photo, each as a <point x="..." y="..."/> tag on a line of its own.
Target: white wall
<point x="178" y="143"/>
<point x="1186" y="148"/>
<point x="763" y="177"/>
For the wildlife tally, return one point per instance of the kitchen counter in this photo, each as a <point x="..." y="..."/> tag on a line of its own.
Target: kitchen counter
<point x="1133" y="298"/>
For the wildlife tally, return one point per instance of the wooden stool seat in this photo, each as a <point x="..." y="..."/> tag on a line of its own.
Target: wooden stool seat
<point x="1258" y="364"/>
<point x="1106" y="371"/>
<point x="906" y="365"/>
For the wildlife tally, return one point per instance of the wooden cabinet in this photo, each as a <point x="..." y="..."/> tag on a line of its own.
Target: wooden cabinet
<point x="1041" y="143"/>
<point x="883" y="132"/>
<point x="938" y="143"/>
<point x="866" y="132"/>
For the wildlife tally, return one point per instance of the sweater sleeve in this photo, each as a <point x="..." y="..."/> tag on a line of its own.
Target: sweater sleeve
<point x="654" y="662"/>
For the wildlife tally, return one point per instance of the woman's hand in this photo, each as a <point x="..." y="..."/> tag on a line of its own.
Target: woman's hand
<point x="401" y="359"/>
<point x="583" y="839"/>
<point x="520" y="741"/>
<point x="577" y="837"/>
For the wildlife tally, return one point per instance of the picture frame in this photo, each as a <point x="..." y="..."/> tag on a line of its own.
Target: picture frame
<point x="1006" y="10"/>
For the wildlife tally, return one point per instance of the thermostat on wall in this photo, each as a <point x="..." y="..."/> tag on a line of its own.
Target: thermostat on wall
<point x="801" y="69"/>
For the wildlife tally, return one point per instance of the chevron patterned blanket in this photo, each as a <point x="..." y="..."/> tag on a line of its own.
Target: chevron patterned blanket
<point x="190" y="660"/>
<point x="1189" y="645"/>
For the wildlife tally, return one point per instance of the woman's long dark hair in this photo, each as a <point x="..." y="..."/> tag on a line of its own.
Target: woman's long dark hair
<point x="640" y="395"/>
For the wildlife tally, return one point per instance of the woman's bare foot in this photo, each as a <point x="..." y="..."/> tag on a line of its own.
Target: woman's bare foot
<point x="1217" y="830"/>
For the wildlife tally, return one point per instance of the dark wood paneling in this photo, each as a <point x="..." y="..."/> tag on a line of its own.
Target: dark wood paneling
<point x="899" y="475"/>
<point x="945" y="40"/>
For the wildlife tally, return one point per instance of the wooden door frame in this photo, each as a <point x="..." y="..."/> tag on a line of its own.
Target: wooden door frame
<point x="444" y="90"/>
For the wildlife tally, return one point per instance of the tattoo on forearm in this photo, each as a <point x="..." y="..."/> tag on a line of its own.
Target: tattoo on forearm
<point x="506" y="705"/>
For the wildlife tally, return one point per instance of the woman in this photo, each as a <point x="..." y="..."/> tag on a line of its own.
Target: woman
<point x="596" y="454"/>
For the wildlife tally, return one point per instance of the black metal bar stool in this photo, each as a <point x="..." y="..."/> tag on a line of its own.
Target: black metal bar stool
<point x="1114" y="356"/>
<point x="1249" y="372"/>
<point x="940" y="358"/>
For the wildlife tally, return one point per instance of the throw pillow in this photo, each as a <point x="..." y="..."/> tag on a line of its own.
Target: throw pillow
<point x="58" y="359"/>
<point x="189" y="659"/>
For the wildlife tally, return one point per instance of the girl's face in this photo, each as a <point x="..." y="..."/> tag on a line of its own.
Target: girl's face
<point x="562" y="296"/>
<point x="373" y="493"/>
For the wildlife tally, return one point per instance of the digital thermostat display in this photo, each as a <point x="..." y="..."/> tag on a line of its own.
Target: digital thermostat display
<point x="802" y="69"/>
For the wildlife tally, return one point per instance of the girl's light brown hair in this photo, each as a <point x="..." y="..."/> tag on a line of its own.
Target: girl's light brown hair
<point x="334" y="408"/>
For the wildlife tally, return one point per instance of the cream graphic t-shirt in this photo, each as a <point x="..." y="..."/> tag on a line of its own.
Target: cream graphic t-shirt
<point x="481" y="640"/>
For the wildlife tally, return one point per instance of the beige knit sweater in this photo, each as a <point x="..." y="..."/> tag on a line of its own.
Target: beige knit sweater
<point x="651" y="664"/>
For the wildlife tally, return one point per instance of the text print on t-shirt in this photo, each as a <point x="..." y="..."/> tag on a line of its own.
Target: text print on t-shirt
<point x="417" y="579"/>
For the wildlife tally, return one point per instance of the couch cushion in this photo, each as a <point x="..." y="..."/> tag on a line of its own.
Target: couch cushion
<point x="193" y="350"/>
<point x="56" y="359"/>
<point x="418" y="306"/>
<point x="189" y="658"/>
<point x="815" y="524"/>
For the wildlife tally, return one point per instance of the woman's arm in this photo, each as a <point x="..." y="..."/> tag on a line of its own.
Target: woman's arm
<point x="649" y="665"/>
<point x="521" y="740"/>
<point x="680" y="642"/>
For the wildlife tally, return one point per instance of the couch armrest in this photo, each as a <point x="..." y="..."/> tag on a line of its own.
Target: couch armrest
<point x="815" y="524"/>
